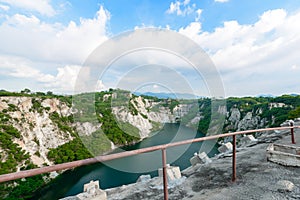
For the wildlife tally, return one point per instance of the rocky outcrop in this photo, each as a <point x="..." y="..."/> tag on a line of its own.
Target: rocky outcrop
<point x="235" y="116"/>
<point x="149" y="114"/>
<point x="31" y="117"/>
<point x="86" y="128"/>
<point x="251" y="120"/>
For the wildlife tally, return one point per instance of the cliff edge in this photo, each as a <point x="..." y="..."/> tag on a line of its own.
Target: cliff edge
<point x="257" y="178"/>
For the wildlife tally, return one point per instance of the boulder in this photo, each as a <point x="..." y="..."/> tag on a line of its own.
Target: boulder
<point x="204" y="158"/>
<point x="173" y="173"/>
<point x="144" y="178"/>
<point x="247" y="140"/>
<point x="91" y="191"/>
<point x="285" y="186"/>
<point x="225" y="147"/>
<point x="195" y="160"/>
<point x="200" y="158"/>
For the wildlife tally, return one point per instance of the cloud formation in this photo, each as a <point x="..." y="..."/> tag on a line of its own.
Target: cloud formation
<point x="41" y="6"/>
<point x="36" y="39"/>
<point x="27" y="43"/>
<point x="4" y="7"/>
<point x="221" y="1"/>
<point x="181" y="8"/>
<point x="49" y="54"/>
<point x="256" y="52"/>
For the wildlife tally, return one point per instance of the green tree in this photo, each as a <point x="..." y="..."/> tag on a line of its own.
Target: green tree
<point x="294" y="113"/>
<point x="26" y="91"/>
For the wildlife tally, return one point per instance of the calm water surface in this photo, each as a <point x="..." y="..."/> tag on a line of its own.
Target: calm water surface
<point x="127" y="170"/>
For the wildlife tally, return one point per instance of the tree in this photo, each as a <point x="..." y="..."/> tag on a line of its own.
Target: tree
<point x="49" y="93"/>
<point x="294" y="113"/>
<point x="26" y="91"/>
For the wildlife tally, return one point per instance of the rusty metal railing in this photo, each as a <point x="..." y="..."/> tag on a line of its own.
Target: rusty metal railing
<point x="69" y="165"/>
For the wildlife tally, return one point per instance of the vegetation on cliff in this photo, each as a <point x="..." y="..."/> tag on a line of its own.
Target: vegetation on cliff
<point x="97" y="108"/>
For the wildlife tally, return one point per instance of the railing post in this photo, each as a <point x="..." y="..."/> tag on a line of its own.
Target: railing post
<point x="234" y="158"/>
<point x="292" y="132"/>
<point x="165" y="179"/>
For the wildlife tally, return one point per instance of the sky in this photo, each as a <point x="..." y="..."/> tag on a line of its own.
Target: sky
<point x="254" y="45"/>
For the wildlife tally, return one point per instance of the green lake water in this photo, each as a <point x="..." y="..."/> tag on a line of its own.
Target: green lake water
<point x="127" y="170"/>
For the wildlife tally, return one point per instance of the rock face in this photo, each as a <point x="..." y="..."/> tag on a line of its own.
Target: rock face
<point x="149" y="114"/>
<point x="249" y="121"/>
<point x="235" y="117"/>
<point x="31" y="116"/>
<point x="86" y="128"/>
<point x="38" y="121"/>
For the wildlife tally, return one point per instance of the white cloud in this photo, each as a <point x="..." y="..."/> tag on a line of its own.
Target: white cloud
<point x="29" y="44"/>
<point x="65" y="80"/>
<point x="221" y="1"/>
<point x="186" y="2"/>
<point x="41" y="6"/>
<point x="198" y="15"/>
<point x="175" y="8"/>
<point x="192" y="30"/>
<point x="260" y="52"/>
<point x="4" y="7"/>
<point x="29" y="37"/>
<point x="62" y="82"/>
<point x="181" y="8"/>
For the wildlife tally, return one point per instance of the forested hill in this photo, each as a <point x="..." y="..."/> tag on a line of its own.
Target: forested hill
<point x="39" y="129"/>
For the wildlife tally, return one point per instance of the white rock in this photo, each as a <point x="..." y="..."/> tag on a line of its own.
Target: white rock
<point x="285" y="186"/>
<point x="225" y="147"/>
<point x="86" y="128"/>
<point x="204" y="158"/>
<point x="173" y="172"/>
<point x="144" y="178"/>
<point x="91" y="191"/>
<point x="53" y="175"/>
<point x="200" y="158"/>
<point x="195" y="160"/>
<point x="248" y="139"/>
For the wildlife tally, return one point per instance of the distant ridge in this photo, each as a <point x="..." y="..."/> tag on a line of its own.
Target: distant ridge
<point x="273" y="96"/>
<point x="163" y="95"/>
<point x="266" y="95"/>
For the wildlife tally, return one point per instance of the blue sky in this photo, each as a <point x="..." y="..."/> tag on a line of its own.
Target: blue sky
<point x="254" y="44"/>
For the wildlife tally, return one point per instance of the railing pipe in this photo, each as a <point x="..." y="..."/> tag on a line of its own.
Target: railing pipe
<point x="234" y="158"/>
<point x="70" y="165"/>
<point x="292" y="133"/>
<point x="165" y="178"/>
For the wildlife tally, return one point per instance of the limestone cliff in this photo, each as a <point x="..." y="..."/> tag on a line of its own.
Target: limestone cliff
<point x="32" y="118"/>
<point x="150" y="115"/>
<point x="39" y="119"/>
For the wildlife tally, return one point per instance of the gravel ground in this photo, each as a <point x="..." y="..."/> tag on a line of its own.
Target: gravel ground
<point x="256" y="179"/>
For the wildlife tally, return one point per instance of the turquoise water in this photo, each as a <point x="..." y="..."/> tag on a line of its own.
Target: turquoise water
<point x="127" y="170"/>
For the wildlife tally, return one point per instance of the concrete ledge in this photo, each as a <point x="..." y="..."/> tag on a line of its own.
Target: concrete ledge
<point x="284" y="155"/>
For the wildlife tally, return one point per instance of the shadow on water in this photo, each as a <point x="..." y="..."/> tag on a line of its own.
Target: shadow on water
<point x="127" y="170"/>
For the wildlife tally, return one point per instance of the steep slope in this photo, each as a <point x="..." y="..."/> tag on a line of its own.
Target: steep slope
<point x="32" y="118"/>
<point x="39" y="129"/>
